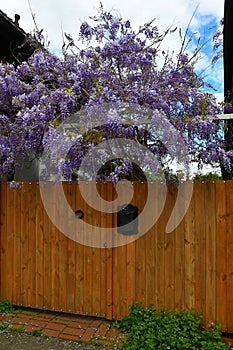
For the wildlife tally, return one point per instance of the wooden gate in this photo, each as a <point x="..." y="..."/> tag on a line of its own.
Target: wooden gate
<point x="41" y="267"/>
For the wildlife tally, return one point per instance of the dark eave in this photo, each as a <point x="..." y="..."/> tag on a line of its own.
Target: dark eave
<point x="14" y="46"/>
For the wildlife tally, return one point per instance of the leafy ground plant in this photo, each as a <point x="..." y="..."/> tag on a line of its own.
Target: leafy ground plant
<point x="6" y="307"/>
<point x="148" y="328"/>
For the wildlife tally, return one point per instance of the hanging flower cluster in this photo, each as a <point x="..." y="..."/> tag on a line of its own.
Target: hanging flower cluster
<point x="117" y="66"/>
<point x="218" y="42"/>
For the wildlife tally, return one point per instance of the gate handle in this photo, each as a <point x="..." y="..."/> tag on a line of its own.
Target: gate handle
<point x="79" y="213"/>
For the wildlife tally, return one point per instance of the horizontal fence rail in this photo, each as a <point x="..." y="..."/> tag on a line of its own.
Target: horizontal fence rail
<point x="188" y="268"/>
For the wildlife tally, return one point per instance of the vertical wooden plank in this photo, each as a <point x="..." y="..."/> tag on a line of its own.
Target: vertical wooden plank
<point x="47" y="273"/>
<point x="3" y="240"/>
<point x="88" y="285"/>
<point x="10" y="258"/>
<point x="139" y="199"/>
<point x="71" y="246"/>
<point x="189" y="251"/>
<point x="157" y="244"/>
<point x="149" y="238"/>
<point x="107" y="287"/>
<point x="229" y="250"/>
<point x="179" y="291"/>
<point x="39" y="250"/>
<point x="62" y="253"/>
<point x="28" y="244"/>
<point x="31" y="267"/>
<point x="103" y="256"/>
<point x="150" y="268"/>
<point x="17" y="246"/>
<point x="136" y="255"/>
<point x="160" y="258"/>
<point x="96" y="254"/>
<point x="151" y="272"/>
<point x="102" y="215"/>
<point x="200" y="250"/>
<point x="110" y="311"/>
<point x="140" y="250"/>
<point x="119" y="282"/>
<point x="169" y="254"/>
<point x="221" y="256"/>
<point x="79" y="259"/>
<point x="10" y="246"/>
<point x="120" y="307"/>
<point x="210" y="227"/>
<point x="54" y="248"/>
<point x="25" y="276"/>
<point x="130" y="273"/>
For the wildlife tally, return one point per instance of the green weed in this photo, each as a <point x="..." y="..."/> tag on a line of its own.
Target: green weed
<point x="149" y="329"/>
<point x="6" y="307"/>
<point x="36" y="333"/>
<point x="4" y="326"/>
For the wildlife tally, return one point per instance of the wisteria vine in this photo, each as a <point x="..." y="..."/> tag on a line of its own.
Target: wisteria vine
<point x="118" y="65"/>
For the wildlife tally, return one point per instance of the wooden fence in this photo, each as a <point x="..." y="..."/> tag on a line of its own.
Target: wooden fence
<point x="192" y="267"/>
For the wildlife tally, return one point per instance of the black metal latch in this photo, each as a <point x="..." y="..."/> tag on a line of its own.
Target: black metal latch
<point x="127" y="219"/>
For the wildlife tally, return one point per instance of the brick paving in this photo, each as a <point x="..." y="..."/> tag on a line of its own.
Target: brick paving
<point x="65" y="326"/>
<point x="68" y="326"/>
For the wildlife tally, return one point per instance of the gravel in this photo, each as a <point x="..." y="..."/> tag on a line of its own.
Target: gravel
<point x="23" y="341"/>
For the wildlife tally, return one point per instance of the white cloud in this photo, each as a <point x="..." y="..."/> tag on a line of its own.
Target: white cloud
<point x="54" y="14"/>
<point x="57" y="15"/>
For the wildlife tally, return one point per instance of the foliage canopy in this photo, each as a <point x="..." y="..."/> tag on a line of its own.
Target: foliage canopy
<point x="115" y="66"/>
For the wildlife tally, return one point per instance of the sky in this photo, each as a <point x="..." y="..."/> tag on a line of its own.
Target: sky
<point x="58" y="16"/>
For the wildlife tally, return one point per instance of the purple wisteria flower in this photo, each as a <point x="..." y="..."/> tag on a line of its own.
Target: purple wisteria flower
<point x="119" y="66"/>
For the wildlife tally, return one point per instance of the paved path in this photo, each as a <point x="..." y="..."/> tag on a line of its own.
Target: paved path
<point x="65" y="326"/>
<point x="61" y="326"/>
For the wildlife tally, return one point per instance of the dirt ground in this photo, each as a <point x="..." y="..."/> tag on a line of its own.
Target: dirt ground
<point x="23" y="341"/>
